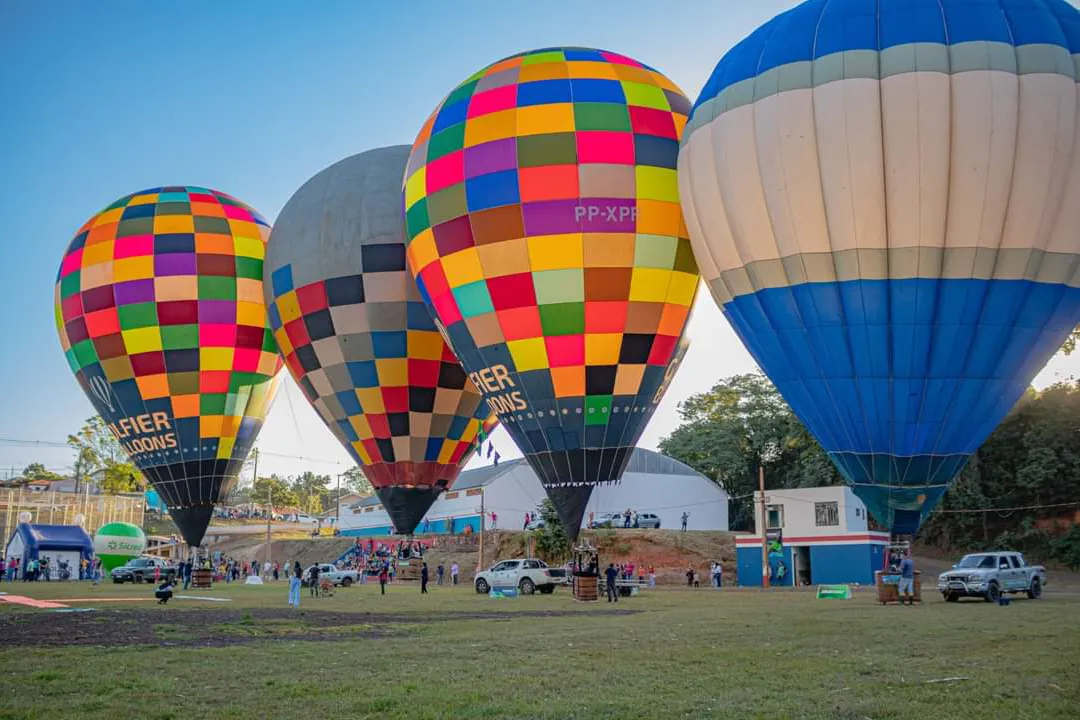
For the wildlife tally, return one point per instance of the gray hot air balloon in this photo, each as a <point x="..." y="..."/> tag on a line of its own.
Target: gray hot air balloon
<point x="359" y="341"/>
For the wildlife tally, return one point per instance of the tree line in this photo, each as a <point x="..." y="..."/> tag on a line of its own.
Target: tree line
<point x="1031" y="461"/>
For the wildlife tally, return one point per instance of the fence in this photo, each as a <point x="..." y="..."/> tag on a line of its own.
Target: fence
<point x="59" y="508"/>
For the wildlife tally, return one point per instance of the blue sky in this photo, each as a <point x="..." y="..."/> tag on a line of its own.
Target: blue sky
<point x="253" y="98"/>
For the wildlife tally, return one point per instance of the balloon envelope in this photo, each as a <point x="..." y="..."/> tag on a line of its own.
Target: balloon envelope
<point x="358" y="340"/>
<point x="884" y="198"/>
<point x="160" y="312"/>
<point x="543" y="226"/>
<point x="118" y="542"/>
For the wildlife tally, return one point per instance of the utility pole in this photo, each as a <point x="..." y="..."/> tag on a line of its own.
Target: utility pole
<point x="337" y="519"/>
<point x="269" y="502"/>
<point x="482" y="524"/>
<point x="764" y="530"/>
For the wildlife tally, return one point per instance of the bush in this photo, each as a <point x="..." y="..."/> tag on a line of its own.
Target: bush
<point x="1066" y="549"/>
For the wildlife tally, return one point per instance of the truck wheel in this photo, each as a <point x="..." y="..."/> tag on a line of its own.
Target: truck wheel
<point x="950" y="597"/>
<point x="138" y="579"/>
<point x="1035" y="591"/>
<point x="527" y="587"/>
<point x="482" y="587"/>
<point x="346" y="582"/>
<point x="993" y="592"/>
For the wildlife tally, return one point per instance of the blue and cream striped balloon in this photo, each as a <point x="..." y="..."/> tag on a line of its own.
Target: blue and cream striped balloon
<point x="884" y="199"/>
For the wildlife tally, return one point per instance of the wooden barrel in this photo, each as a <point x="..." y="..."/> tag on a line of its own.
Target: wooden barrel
<point x="586" y="588"/>
<point x="201" y="578"/>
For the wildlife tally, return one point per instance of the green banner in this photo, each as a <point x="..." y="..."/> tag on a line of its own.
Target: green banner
<point x="834" y="592"/>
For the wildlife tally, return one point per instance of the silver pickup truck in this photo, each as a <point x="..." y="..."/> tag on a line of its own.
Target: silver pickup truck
<point x="988" y="575"/>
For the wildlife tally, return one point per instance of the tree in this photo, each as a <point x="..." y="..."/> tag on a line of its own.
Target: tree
<point x="354" y="480"/>
<point x="738" y="426"/>
<point x="121" y="477"/>
<point x="98" y="453"/>
<point x="551" y="542"/>
<point x="37" y="471"/>
<point x="313" y="491"/>
<point x="281" y="495"/>
<point x="1070" y="342"/>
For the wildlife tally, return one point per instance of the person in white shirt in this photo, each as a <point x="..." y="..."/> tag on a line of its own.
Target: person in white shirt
<point x="453" y="574"/>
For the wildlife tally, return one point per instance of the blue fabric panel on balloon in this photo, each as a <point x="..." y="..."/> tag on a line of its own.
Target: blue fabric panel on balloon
<point x="417" y="316"/>
<point x="916" y="367"/>
<point x="348" y="430"/>
<point x="451" y="115"/>
<point x="349" y="403"/>
<point x="282" y="280"/>
<point x="544" y="92"/>
<point x="818" y="28"/>
<point x="492" y="190"/>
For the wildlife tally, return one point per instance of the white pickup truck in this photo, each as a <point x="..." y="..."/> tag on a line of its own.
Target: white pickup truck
<point x="344" y="578"/>
<point x="988" y="575"/>
<point x="526" y="574"/>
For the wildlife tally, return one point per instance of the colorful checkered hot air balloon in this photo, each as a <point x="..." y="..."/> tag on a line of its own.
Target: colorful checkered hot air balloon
<point x="359" y="341"/>
<point x="884" y="197"/>
<point x="160" y="311"/>
<point x="544" y="230"/>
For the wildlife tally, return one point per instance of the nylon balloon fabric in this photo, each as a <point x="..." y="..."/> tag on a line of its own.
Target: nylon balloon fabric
<point x="360" y="343"/>
<point x="884" y="197"/>
<point x="160" y="312"/>
<point x="544" y="230"/>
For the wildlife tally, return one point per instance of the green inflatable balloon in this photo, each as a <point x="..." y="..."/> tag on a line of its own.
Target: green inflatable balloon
<point x="118" y="542"/>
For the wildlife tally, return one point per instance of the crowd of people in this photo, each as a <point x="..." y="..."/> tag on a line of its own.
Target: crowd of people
<point x="45" y="570"/>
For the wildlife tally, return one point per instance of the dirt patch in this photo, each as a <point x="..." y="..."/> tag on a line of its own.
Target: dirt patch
<point x="212" y="627"/>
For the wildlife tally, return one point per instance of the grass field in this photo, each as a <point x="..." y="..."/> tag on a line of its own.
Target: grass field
<point x="453" y="654"/>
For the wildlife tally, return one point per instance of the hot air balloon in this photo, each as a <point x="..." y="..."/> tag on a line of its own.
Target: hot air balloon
<point x="359" y="341"/>
<point x="884" y="198"/>
<point x="544" y="230"/>
<point x="160" y="312"/>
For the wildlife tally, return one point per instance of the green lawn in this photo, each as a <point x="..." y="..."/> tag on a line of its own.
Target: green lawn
<point x="683" y="654"/>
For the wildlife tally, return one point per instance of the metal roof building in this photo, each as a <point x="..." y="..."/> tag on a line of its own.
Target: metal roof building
<point x="652" y="483"/>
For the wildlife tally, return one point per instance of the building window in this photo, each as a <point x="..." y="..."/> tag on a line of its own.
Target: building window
<point x="774" y="515"/>
<point x="826" y="514"/>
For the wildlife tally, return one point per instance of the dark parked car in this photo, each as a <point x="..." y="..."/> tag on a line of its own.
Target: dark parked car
<point x="144" y="570"/>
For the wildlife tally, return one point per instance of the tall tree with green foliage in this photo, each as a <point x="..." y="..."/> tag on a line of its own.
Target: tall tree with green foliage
<point x="552" y="545"/>
<point x="281" y="495"/>
<point x="98" y="455"/>
<point x="742" y="424"/>
<point x="354" y="480"/>
<point x="37" y="471"/>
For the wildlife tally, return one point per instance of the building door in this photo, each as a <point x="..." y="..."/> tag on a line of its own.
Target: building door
<point x="803" y="575"/>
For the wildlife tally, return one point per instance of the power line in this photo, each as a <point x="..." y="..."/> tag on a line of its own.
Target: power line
<point x="1010" y="509"/>
<point x="34" y="443"/>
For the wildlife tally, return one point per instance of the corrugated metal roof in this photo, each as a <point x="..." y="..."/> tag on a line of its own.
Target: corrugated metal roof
<point x="641" y="461"/>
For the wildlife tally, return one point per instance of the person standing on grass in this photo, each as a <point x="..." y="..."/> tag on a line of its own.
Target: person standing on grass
<point x="453" y="573"/>
<point x="440" y="571"/>
<point x="294" y="585"/>
<point x="685" y="518"/>
<point x="384" y="575"/>
<point x="907" y="579"/>
<point x="652" y="576"/>
<point x="277" y="568"/>
<point x="186" y="569"/>
<point x="313" y="580"/>
<point x="612" y="590"/>
<point x="689" y="576"/>
<point x="423" y="579"/>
